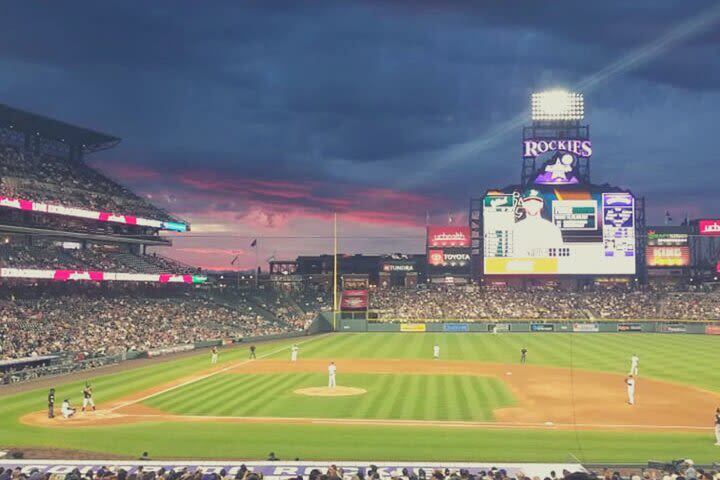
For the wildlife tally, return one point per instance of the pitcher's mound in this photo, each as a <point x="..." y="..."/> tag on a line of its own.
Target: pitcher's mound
<point x="331" y="392"/>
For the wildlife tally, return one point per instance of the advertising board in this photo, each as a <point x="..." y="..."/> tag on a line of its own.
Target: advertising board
<point x="673" y="328"/>
<point x="500" y="327"/>
<point x="95" y="276"/>
<point x="550" y="232"/>
<point x="542" y="327"/>
<point x="31" y="205"/>
<point x="354" y="300"/>
<point x="412" y="327"/>
<point x="709" y="227"/>
<point x="712" y="329"/>
<point x="448" y="236"/>
<point x="456" y="327"/>
<point x="586" y="327"/>
<point x="629" y="327"/>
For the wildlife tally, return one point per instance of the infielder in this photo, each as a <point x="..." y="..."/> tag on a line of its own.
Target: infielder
<point x="436" y="351"/>
<point x="294" y="353"/>
<point x="634" y="362"/>
<point x="630" y="382"/>
<point x="214" y="356"/>
<point x="88" y="397"/>
<point x="252" y="351"/>
<point x="523" y="355"/>
<point x="717" y="427"/>
<point x="331" y="374"/>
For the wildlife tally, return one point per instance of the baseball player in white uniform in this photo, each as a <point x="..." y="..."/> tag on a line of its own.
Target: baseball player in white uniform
<point x="214" y="356"/>
<point x="630" y="382"/>
<point x="294" y="353"/>
<point x="717" y="427"/>
<point x="634" y="362"/>
<point x="436" y="351"/>
<point x="331" y="374"/>
<point x="66" y="409"/>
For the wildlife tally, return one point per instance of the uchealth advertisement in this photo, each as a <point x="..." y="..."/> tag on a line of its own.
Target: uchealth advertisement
<point x="412" y="327"/>
<point x="448" y="236"/>
<point x="586" y="327"/>
<point x="629" y="327"/>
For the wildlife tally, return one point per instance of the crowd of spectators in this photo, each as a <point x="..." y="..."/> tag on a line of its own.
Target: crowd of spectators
<point x="334" y="472"/>
<point x="53" y="257"/>
<point x="52" y="180"/>
<point x="457" y="303"/>
<point x="108" y="323"/>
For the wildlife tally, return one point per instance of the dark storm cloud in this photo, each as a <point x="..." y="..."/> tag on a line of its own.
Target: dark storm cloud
<point x="350" y="95"/>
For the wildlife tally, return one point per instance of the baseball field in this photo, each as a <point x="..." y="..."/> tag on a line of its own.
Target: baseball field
<point x="395" y="402"/>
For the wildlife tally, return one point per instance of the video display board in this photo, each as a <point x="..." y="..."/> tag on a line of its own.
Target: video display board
<point x="667" y="246"/>
<point x="551" y="231"/>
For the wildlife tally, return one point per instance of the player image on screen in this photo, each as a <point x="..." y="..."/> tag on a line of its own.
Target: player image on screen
<point x="534" y="235"/>
<point x="552" y="230"/>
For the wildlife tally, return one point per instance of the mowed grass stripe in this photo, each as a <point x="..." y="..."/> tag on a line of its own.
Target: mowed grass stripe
<point x="420" y="401"/>
<point x="404" y="398"/>
<point x="382" y="387"/>
<point x="461" y="398"/>
<point x="183" y="395"/>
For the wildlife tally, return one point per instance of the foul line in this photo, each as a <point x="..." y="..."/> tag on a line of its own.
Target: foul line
<point x="409" y="423"/>
<point x="203" y="377"/>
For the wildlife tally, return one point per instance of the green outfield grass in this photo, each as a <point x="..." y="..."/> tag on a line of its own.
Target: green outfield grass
<point x="692" y="360"/>
<point x="397" y="396"/>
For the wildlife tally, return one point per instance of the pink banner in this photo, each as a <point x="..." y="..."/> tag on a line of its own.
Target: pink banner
<point x="94" y="276"/>
<point x="354" y="300"/>
<point x="30" y="205"/>
<point x="709" y="227"/>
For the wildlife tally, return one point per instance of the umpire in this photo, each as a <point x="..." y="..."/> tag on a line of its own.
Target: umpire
<point x="51" y="403"/>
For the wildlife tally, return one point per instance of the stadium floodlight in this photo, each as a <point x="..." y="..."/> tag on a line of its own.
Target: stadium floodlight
<point x="557" y="105"/>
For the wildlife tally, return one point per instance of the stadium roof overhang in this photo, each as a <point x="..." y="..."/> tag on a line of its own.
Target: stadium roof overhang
<point x="89" y="141"/>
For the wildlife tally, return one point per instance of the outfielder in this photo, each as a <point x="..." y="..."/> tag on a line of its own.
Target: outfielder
<point x="88" y="397"/>
<point x="331" y="374"/>
<point x="634" y="362"/>
<point x="214" y="356"/>
<point x="630" y="382"/>
<point x="436" y="351"/>
<point x="294" y="353"/>
<point x="717" y="427"/>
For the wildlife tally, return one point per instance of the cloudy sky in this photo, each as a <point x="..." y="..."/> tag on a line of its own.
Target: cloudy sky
<point x="258" y="119"/>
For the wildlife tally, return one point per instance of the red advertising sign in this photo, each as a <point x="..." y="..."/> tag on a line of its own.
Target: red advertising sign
<point x="712" y="329"/>
<point x="436" y="258"/>
<point x="656" y="256"/>
<point x="709" y="227"/>
<point x="448" y="236"/>
<point x="354" y="300"/>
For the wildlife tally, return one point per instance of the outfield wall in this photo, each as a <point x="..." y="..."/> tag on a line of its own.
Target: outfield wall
<point x="530" y="326"/>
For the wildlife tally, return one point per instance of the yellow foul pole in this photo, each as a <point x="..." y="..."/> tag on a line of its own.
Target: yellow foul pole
<point x="335" y="285"/>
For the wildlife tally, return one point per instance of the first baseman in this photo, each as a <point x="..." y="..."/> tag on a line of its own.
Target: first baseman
<point x="294" y="353"/>
<point x="523" y="355"/>
<point x="630" y="382"/>
<point x="331" y="374"/>
<point x="88" y="397"/>
<point x="214" y="356"/>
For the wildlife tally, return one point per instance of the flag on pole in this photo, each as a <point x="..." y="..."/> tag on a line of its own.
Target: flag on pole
<point x="234" y="260"/>
<point x="427" y="218"/>
<point x="254" y="243"/>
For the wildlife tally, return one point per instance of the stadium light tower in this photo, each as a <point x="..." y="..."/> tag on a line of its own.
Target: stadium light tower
<point x="557" y="106"/>
<point x="556" y="115"/>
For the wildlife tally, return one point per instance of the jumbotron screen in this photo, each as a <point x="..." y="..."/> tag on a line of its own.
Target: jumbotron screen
<point x="557" y="232"/>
